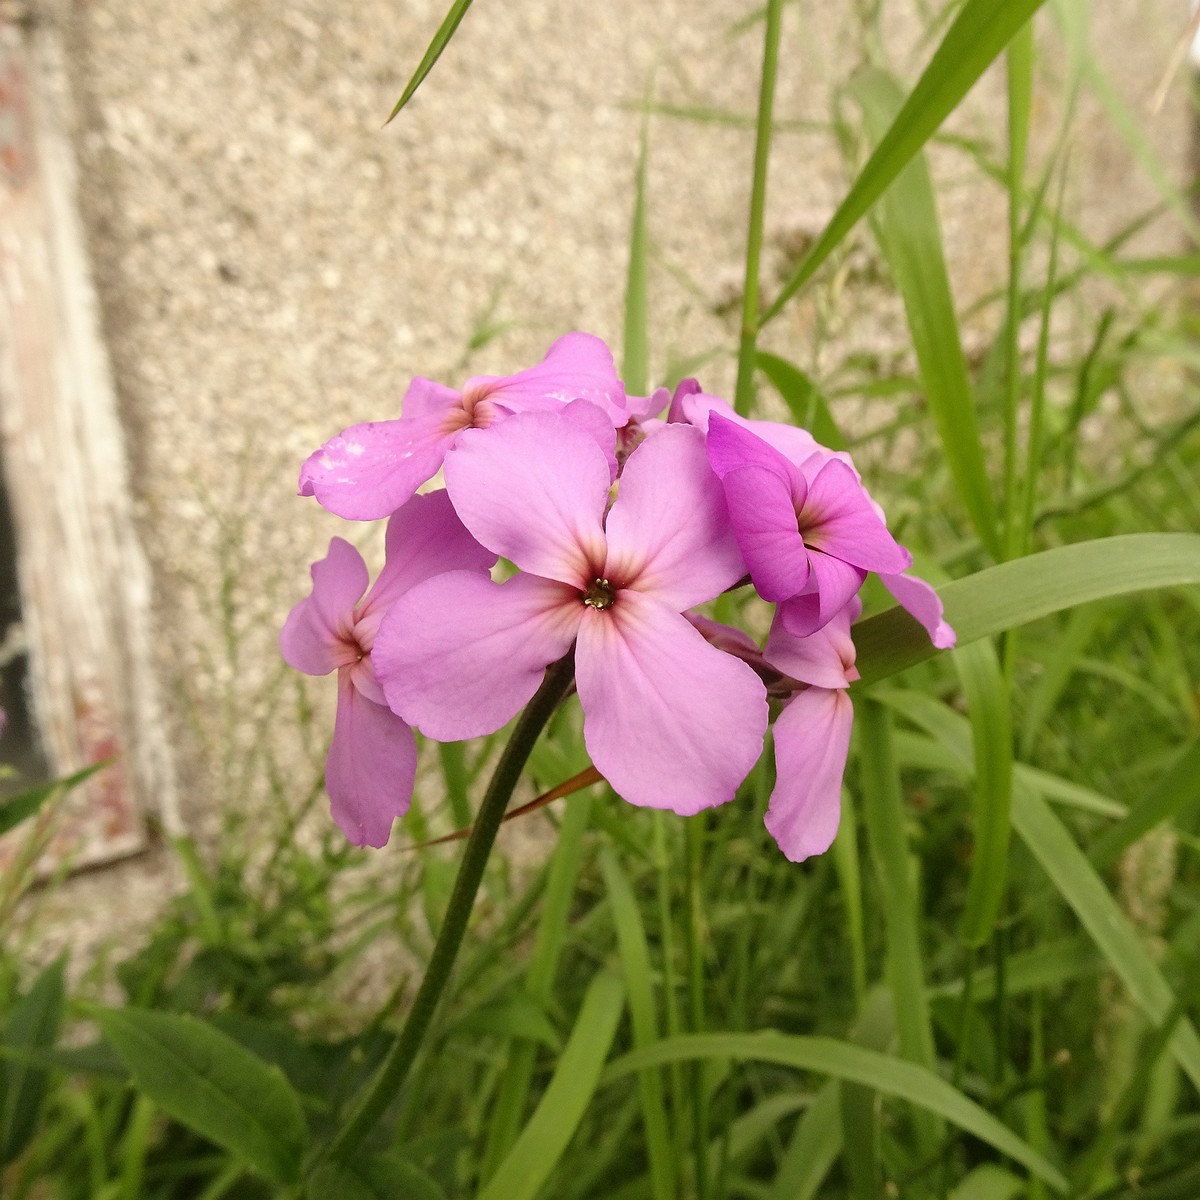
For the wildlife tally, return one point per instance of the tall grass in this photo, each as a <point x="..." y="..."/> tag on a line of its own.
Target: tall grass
<point x="986" y="989"/>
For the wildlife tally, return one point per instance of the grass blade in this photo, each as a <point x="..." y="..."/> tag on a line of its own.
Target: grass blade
<point x="907" y="228"/>
<point x="1076" y="879"/>
<point x="810" y="409"/>
<point x="635" y="359"/>
<point x="441" y="40"/>
<point x="844" y="1061"/>
<point x="979" y="33"/>
<point x="554" y="1121"/>
<point x="1015" y="593"/>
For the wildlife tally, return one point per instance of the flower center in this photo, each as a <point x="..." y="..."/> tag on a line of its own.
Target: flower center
<point x="600" y="594"/>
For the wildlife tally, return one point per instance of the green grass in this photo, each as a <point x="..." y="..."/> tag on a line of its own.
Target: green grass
<point x="986" y="989"/>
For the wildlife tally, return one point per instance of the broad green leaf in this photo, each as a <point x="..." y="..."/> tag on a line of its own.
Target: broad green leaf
<point x="909" y="234"/>
<point x="374" y="1177"/>
<point x="892" y="1076"/>
<point x="989" y="1182"/>
<point x="209" y="1082"/>
<point x="810" y="409"/>
<point x="990" y="711"/>
<point x="977" y="36"/>
<point x="554" y="1121"/>
<point x="814" y="1148"/>
<point x="32" y="1027"/>
<point x="1076" y="879"/>
<point x="1015" y="593"/>
<point x="441" y="40"/>
<point x="25" y="804"/>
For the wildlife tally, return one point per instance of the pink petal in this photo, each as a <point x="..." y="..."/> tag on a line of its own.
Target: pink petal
<point x="831" y="586"/>
<point x="424" y="538"/>
<point x="426" y="399"/>
<point x="793" y="443"/>
<point x="371" y="767"/>
<point x="459" y="655"/>
<point x="668" y="532"/>
<point x="646" y="408"/>
<point x="812" y="738"/>
<point x="731" y="446"/>
<point x="315" y="635"/>
<point x="368" y="471"/>
<point x="578" y="366"/>
<point x="924" y="604"/>
<point x="533" y="488"/>
<point x="668" y="720"/>
<point x="839" y="518"/>
<point x="595" y="421"/>
<point x="764" y="522"/>
<point x="725" y="637"/>
<point x="824" y="659"/>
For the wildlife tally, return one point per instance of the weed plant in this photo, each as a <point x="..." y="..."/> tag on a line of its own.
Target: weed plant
<point x="985" y="990"/>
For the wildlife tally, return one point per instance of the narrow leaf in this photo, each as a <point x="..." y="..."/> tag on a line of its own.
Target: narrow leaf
<point x="25" y="804"/>
<point x="375" y="1177"/>
<point x="554" y="1121"/>
<point x="893" y="1076"/>
<point x="635" y="359"/>
<point x="32" y="1027"/>
<point x="979" y="33"/>
<point x="441" y="39"/>
<point x="209" y="1082"/>
<point x="1015" y="593"/>
<point x="810" y="409"/>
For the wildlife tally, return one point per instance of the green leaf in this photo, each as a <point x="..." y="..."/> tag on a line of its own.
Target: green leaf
<point x="375" y="1177"/>
<point x="25" y="804"/>
<point x="554" y="1121"/>
<point x="989" y="1182"/>
<point x="893" y="1076"/>
<point x="1015" y="593"/>
<point x="906" y="225"/>
<point x="212" y="1084"/>
<point x="990" y="710"/>
<point x="814" y="1148"/>
<point x="979" y="33"/>
<point x="810" y="409"/>
<point x="1067" y="866"/>
<point x="32" y="1027"/>
<point x="635" y="358"/>
<point x="441" y="39"/>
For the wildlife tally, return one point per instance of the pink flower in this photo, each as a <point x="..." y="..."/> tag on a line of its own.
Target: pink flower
<point x="812" y="732"/>
<point x="372" y="758"/>
<point x="670" y="721"/>
<point x="369" y="470"/>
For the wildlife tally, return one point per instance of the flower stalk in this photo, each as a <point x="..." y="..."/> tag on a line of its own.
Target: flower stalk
<point x="392" y="1074"/>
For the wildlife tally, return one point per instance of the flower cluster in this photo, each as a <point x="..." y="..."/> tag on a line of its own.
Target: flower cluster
<point x="620" y="521"/>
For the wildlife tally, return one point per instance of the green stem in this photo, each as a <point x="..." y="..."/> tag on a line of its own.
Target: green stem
<point x="744" y="395"/>
<point x="396" y="1066"/>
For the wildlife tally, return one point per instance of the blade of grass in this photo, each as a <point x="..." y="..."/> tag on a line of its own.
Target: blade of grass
<point x="814" y="1148"/>
<point x="884" y="817"/>
<point x="1017" y="592"/>
<point x="976" y="38"/>
<point x="441" y="39"/>
<point x="744" y="393"/>
<point x="635" y="969"/>
<point x="907" y="228"/>
<point x="509" y="1108"/>
<point x="990" y="711"/>
<point x="841" y="1060"/>
<point x="635" y="357"/>
<point x="810" y="409"/>
<point x="544" y="1139"/>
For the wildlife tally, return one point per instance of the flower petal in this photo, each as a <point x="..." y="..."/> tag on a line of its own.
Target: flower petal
<point x="793" y="443"/>
<point x="668" y="720"/>
<point x="839" y="518"/>
<point x="426" y="399"/>
<point x="371" y="766"/>
<point x="593" y="419"/>
<point x="459" y="655"/>
<point x="812" y="738"/>
<point x="923" y="603"/>
<point x="533" y="488"/>
<point x="314" y="636"/>
<point x="424" y="538"/>
<point x="764" y="522"/>
<point x="668" y="531"/>
<point x="824" y="659"/>
<point x="831" y="585"/>
<point x="579" y="366"/>
<point x="369" y="471"/>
